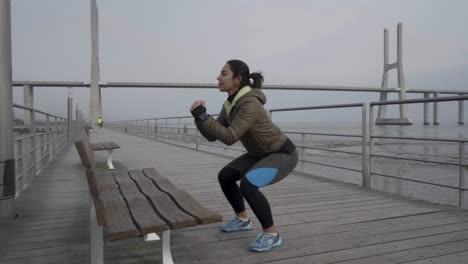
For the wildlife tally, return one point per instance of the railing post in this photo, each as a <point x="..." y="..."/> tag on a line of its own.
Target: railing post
<point x="156" y="129"/>
<point x="435" y="109"/>
<point x="7" y="159"/>
<point x="147" y="132"/>
<point x="460" y="111"/>
<point x="77" y="118"/>
<point x="371" y="142"/>
<point x="426" y="110"/>
<point x="20" y="167"/>
<point x="461" y="192"/>
<point x="56" y="133"/>
<point x="70" y="114"/>
<point x="365" y="168"/>
<point x="303" y="151"/>
<point x="32" y="141"/>
<point x="49" y="132"/>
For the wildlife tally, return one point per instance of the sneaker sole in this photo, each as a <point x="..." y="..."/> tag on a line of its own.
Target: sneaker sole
<point x="276" y="245"/>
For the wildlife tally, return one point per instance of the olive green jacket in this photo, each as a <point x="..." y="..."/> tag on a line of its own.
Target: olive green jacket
<point x="246" y="120"/>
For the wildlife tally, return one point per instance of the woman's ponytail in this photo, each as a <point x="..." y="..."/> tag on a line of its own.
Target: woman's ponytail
<point x="257" y="78"/>
<point x="240" y="69"/>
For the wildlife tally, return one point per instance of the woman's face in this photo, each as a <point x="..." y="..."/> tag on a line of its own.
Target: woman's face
<point x="226" y="82"/>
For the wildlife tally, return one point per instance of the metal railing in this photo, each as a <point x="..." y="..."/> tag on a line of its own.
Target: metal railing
<point x="461" y="149"/>
<point x="364" y="169"/>
<point x="37" y="143"/>
<point x="182" y="132"/>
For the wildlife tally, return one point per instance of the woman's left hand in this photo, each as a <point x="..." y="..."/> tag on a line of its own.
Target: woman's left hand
<point x="197" y="103"/>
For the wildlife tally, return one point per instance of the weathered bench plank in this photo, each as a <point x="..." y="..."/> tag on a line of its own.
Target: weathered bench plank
<point x="165" y="206"/>
<point x="142" y="211"/>
<point x="117" y="218"/>
<point x="186" y="202"/>
<point x="104" y="146"/>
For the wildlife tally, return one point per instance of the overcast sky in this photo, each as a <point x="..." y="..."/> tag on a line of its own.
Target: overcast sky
<point x="326" y="42"/>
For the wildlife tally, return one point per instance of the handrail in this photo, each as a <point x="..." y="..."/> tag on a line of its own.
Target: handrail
<point x="34" y="151"/>
<point x="316" y="107"/>
<point x="284" y="87"/>
<point x="461" y="142"/>
<point x="35" y="110"/>
<point x="422" y="100"/>
<point x="172" y="132"/>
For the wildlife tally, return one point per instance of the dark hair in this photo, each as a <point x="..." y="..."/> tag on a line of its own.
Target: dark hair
<point x="240" y="68"/>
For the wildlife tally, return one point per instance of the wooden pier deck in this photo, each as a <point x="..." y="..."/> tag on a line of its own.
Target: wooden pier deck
<point x="320" y="221"/>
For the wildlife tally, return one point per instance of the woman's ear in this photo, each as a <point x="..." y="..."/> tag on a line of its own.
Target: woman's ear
<point x="237" y="80"/>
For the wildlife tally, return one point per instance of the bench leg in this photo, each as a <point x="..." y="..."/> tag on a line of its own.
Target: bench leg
<point x="166" y="255"/>
<point x="97" y="244"/>
<point x="109" y="160"/>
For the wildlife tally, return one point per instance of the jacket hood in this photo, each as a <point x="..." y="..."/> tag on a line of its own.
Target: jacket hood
<point x="258" y="93"/>
<point x="246" y="92"/>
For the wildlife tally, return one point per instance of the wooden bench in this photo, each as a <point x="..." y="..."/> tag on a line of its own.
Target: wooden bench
<point x="109" y="146"/>
<point x="136" y="203"/>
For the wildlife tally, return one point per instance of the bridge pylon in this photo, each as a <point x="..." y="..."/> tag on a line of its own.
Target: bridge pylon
<point x="95" y="103"/>
<point x="398" y="65"/>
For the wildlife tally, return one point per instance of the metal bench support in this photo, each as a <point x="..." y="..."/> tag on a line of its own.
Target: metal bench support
<point x="166" y="255"/>
<point x="109" y="159"/>
<point x="97" y="244"/>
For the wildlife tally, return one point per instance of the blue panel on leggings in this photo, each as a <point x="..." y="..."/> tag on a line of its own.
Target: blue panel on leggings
<point x="261" y="176"/>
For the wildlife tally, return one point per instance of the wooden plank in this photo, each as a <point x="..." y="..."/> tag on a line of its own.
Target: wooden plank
<point x="460" y="257"/>
<point x="104" y="146"/>
<point x="164" y="205"/>
<point x="118" y="221"/>
<point x="142" y="211"/>
<point x="183" y="199"/>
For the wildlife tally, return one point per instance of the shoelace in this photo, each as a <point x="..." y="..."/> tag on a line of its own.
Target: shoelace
<point x="260" y="237"/>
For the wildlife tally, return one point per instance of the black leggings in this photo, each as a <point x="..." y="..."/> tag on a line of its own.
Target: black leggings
<point x="254" y="173"/>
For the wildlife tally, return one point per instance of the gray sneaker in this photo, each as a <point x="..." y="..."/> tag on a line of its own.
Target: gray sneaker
<point x="265" y="242"/>
<point x="235" y="224"/>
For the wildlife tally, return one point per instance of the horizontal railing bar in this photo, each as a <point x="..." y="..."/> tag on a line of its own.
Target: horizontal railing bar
<point x="316" y="107"/>
<point x="418" y="160"/>
<point x="423" y="139"/>
<point x="423" y="100"/>
<point x="25" y="154"/>
<point x="323" y="134"/>
<point x="43" y="157"/>
<point x="333" y="150"/>
<point x="35" y="110"/>
<point x="32" y="135"/>
<point x="50" y="84"/>
<point x="27" y="170"/>
<point x="424" y="182"/>
<point x="332" y="166"/>
<point x="215" y="86"/>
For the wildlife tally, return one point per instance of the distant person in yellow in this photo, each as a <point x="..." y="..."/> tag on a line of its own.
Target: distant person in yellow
<point x="99" y="121"/>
